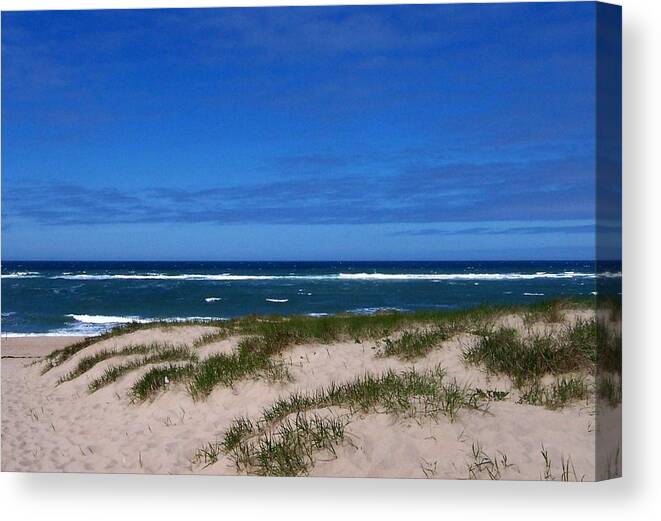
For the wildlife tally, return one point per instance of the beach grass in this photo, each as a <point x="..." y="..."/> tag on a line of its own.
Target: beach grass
<point x="609" y="338"/>
<point x="408" y="393"/>
<point x="326" y="329"/>
<point x="255" y="354"/>
<point x="526" y="358"/>
<point x="159" y="378"/>
<point x="550" y="312"/>
<point x="492" y="465"/>
<point x="490" y="395"/>
<point x="59" y="356"/>
<point x="413" y="344"/>
<point x="287" y="450"/>
<point x="88" y="362"/>
<point x="208" y="338"/>
<point x="253" y="357"/>
<point x="359" y="328"/>
<point x="562" y="392"/>
<point x="609" y="388"/>
<point x="160" y="355"/>
<point x="223" y="369"/>
<point x="405" y="335"/>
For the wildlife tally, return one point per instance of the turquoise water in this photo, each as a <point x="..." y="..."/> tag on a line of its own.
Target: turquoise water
<point x="84" y="298"/>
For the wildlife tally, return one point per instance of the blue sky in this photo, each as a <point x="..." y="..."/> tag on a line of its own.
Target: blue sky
<point x="355" y="133"/>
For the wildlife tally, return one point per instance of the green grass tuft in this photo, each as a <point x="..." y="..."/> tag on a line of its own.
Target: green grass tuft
<point x="167" y="354"/>
<point x="550" y="311"/>
<point x="157" y="379"/>
<point x="287" y="450"/>
<point x="528" y="358"/>
<point x="88" y="362"/>
<point x="562" y="392"/>
<point x="209" y="338"/>
<point x="414" y="344"/>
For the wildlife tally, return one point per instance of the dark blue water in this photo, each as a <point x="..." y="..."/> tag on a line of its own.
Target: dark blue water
<point x="88" y="297"/>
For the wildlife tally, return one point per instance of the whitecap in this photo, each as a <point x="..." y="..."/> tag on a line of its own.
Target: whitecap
<point x="106" y="319"/>
<point x="21" y="275"/>
<point x="372" y="310"/>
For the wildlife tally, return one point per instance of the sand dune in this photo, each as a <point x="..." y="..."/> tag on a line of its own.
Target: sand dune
<point x="63" y="428"/>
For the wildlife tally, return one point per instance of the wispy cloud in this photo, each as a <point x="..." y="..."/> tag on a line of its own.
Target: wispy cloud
<point x="456" y="192"/>
<point x="511" y="230"/>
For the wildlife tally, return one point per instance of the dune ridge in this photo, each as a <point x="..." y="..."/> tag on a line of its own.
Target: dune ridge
<point x="498" y="428"/>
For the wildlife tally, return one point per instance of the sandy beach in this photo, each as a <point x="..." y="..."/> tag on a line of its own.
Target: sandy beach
<point x="50" y="425"/>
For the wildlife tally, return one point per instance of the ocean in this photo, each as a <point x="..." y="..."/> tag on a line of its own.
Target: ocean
<point x="85" y="298"/>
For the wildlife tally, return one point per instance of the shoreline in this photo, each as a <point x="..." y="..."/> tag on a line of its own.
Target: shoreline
<point x="33" y="346"/>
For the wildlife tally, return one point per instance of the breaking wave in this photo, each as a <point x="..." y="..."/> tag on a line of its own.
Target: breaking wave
<point x="21" y="275"/>
<point x="228" y="277"/>
<point x="105" y="319"/>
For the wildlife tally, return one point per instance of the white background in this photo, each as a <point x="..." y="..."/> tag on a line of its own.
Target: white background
<point x="636" y="496"/>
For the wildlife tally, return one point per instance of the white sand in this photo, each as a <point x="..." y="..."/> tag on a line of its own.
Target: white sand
<point x="46" y="427"/>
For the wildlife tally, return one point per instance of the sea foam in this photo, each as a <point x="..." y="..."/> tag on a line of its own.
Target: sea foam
<point x="105" y="319"/>
<point x="21" y="275"/>
<point x="228" y="277"/>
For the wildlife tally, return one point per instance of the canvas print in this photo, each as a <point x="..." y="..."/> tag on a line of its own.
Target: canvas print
<point x="349" y="241"/>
